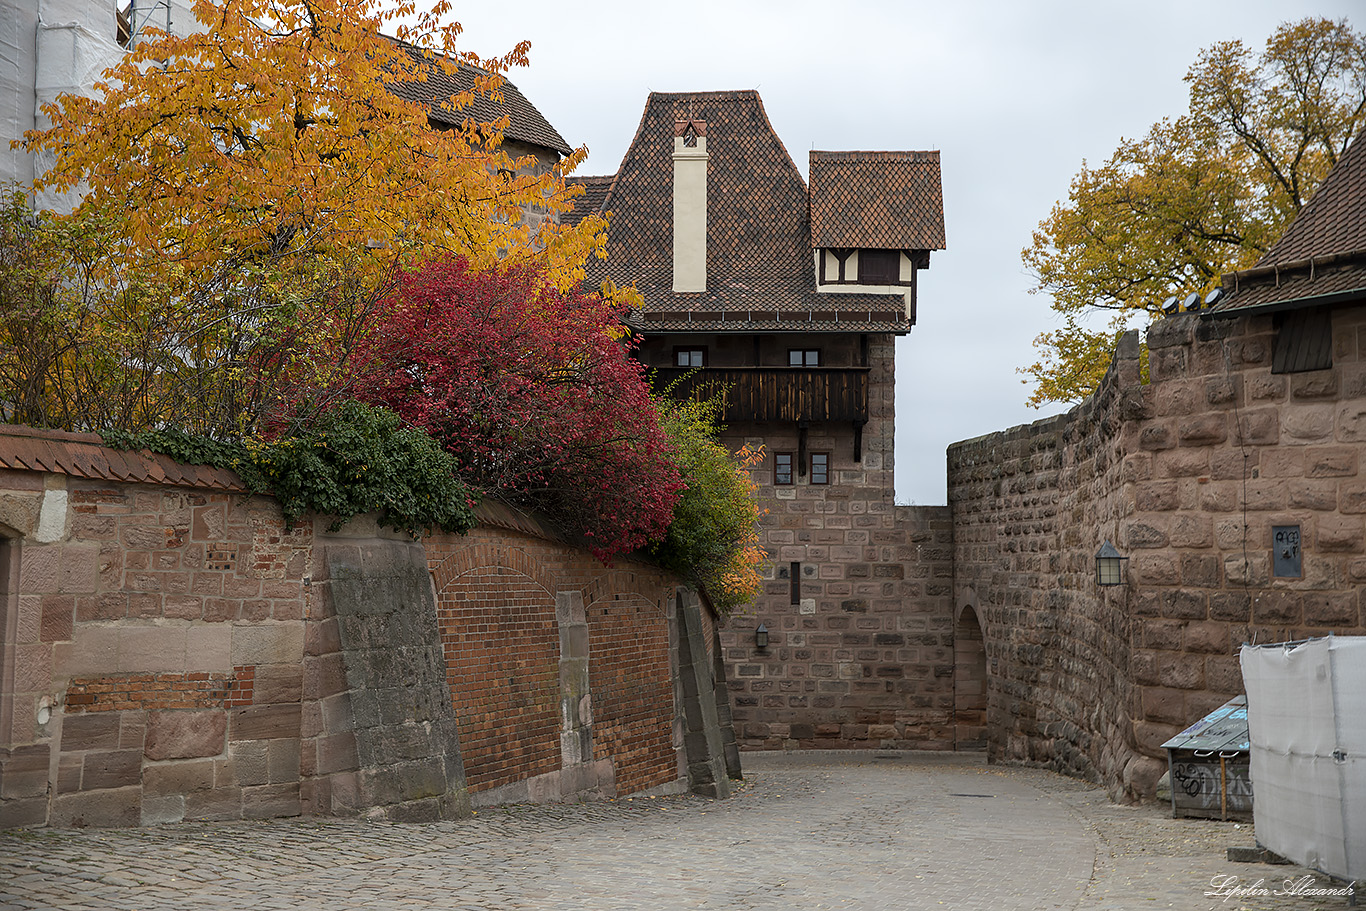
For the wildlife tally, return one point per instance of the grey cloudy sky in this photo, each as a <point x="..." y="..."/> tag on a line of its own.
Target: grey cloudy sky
<point x="1014" y="95"/>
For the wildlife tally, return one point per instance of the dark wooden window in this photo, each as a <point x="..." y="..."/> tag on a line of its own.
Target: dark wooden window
<point x="782" y="468"/>
<point x="803" y="357"/>
<point x="820" y="468"/>
<point x="795" y="585"/>
<point x="690" y="357"/>
<point x="1304" y="341"/>
<point x="879" y="267"/>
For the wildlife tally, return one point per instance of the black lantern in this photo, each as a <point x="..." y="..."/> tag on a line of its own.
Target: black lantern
<point x="1109" y="565"/>
<point x="761" y="636"/>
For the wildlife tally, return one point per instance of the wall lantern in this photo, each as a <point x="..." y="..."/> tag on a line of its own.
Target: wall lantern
<point x="761" y="636"/>
<point x="1109" y="565"/>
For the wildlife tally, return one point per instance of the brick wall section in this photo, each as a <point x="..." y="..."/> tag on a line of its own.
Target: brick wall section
<point x="496" y="596"/>
<point x="864" y="659"/>
<point x="160" y="691"/>
<point x="632" y="686"/>
<point x="1186" y="475"/>
<point x="502" y="658"/>
<point x="175" y="653"/>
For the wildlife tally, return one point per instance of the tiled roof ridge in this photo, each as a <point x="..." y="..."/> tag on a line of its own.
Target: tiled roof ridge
<point x="725" y="95"/>
<point x="1319" y="221"/>
<point x="714" y="95"/>
<point x="890" y="155"/>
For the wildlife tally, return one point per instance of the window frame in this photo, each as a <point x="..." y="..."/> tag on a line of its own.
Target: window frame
<point x="777" y="471"/>
<point x="825" y="468"/>
<point x="700" y="350"/>
<point x="805" y="356"/>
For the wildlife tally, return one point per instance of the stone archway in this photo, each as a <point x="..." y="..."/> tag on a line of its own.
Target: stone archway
<point x="969" y="683"/>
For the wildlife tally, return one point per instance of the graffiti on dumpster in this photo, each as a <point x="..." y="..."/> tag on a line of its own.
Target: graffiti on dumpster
<point x="1196" y="785"/>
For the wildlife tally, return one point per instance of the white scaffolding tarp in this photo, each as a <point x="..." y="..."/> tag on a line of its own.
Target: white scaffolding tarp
<point x="1306" y="713"/>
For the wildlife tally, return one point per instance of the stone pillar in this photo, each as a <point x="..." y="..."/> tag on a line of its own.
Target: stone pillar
<point x="576" y="697"/>
<point x="702" y="740"/>
<point x="723" y="711"/>
<point x="394" y="708"/>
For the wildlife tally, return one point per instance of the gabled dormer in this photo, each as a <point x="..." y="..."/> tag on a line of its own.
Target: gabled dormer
<point x="875" y="217"/>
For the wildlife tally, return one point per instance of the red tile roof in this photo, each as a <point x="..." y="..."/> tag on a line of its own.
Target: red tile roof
<point x="758" y="228"/>
<point x="525" y="123"/>
<point x="1321" y="257"/>
<point x="84" y="455"/>
<point x="594" y="194"/>
<point x="876" y="200"/>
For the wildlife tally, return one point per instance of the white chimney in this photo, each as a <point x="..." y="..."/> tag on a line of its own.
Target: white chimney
<point x="690" y="205"/>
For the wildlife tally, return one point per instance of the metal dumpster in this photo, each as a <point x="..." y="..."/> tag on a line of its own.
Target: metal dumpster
<point x="1208" y="765"/>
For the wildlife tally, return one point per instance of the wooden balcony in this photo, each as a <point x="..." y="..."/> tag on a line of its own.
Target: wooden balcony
<point x="777" y="393"/>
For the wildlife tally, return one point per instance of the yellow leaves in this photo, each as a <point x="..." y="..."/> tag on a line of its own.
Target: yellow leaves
<point x="272" y="133"/>
<point x="1199" y="196"/>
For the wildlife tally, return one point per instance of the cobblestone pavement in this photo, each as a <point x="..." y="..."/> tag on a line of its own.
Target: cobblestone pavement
<point x="804" y="832"/>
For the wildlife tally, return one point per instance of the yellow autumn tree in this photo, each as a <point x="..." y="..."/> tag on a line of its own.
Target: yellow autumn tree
<point x="257" y="182"/>
<point x="1199" y="196"/>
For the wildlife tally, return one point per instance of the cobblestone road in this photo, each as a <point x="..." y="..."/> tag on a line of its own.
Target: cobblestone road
<point x="903" y="833"/>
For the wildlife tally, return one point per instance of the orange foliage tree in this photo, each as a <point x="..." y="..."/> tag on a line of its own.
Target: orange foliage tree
<point x="257" y="183"/>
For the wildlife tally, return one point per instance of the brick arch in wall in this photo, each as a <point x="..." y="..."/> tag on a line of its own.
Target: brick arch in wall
<point x="514" y="558"/>
<point x="630" y="677"/>
<point x="496" y="614"/>
<point x="969" y="680"/>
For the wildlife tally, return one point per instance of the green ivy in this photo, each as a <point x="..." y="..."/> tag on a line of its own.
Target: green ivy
<point x="354" y="459"/>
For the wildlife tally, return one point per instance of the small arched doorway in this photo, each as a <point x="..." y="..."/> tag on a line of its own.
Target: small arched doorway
<point x="969" y="683"/>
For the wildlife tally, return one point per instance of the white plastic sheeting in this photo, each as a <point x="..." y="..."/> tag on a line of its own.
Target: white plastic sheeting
<point x="1306" y="712"/>
<point x="54" y="47"/>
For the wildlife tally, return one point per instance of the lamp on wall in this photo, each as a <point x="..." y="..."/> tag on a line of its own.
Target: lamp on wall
<point x="1109" y="565"/>
<point x="761" y="637"/>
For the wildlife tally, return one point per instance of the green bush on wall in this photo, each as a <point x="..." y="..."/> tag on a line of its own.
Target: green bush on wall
<point x="352" y="459"/>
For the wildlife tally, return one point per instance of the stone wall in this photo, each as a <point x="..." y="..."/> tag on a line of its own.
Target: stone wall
<point x="175" y="652"/>
<point x="1187" y="474"/>
<point x="860" y="651"/>
<point x="153" y="654"/>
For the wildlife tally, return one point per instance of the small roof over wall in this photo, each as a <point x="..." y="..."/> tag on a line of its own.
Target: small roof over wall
<point x="876" y="200"/>
<point x="1321" y="257"/>
<point x="84" y="455"/>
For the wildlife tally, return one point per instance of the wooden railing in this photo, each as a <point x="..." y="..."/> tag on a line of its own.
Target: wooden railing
<point x="777" y="393"/>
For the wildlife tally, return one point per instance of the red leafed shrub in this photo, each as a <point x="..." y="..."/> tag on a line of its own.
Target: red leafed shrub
<point x="532" y="391"/>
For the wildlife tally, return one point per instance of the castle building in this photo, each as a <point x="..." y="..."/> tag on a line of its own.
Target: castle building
<point x="787" y="298"/>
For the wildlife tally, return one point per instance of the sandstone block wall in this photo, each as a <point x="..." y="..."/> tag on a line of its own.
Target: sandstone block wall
<point x="152" y="654"/>
<point x="1186" y="474"/>
<point x="861" y="641"/>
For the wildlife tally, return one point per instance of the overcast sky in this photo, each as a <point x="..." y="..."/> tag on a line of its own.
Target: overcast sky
<point x="1013" y="93"/>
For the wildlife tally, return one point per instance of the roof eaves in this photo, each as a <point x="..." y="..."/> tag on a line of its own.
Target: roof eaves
<point x="1298" y="303"/>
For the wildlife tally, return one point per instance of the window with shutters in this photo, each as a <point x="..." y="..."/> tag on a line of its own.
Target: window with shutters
<point x="879" y="267"/>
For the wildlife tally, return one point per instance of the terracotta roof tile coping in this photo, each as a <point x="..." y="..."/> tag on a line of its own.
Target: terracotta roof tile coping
<point x="84" y="455"/>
